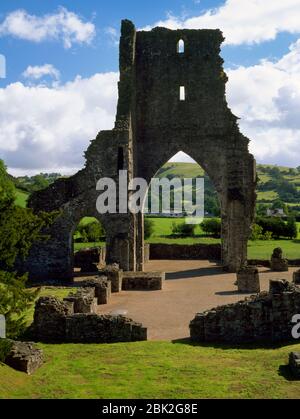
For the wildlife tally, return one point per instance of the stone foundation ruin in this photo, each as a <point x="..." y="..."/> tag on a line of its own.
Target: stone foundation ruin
<point x="56" y="322"/>
<point x="153" y="124"/>
<point x="266" y="317"/>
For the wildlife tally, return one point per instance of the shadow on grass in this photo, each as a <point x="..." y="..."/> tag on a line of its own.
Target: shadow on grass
<point x="231" y="346"/>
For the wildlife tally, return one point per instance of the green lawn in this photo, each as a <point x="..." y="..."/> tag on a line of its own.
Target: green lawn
<point x="256" y="250"/>
<point x="154" y="370"/>
<point x="21" y="198"/>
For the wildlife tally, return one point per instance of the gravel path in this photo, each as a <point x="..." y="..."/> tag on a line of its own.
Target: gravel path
<point x="191" y="287"/>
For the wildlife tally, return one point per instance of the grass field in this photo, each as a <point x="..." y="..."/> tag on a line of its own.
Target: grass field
<point x="256" y="249"/>
<point x="153" y="370"/>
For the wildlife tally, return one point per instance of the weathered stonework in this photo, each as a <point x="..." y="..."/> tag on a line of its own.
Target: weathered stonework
<point x="266" y="317"/>
<point x="294" y="364"/>
<point x="152" y="125"/>
<point x="83" y="301"/>
<point x="296" y="277"/>
<point x="24" y="357"/>
<point x="143" y="281"/>
<point x="115" y="275"/>
<point x="87" y="259"/>
<point x="248" y="280"/>
<point x="185" y="252"/>
<point x="278" y="263"/>
<point x="55" y="322"/>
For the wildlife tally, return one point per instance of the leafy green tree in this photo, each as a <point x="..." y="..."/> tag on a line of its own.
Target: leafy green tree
<point x="89" y="233"/>
<point x="292" y="228"/>
<point x="19" y="228"/>
<point x="261" y="209"/>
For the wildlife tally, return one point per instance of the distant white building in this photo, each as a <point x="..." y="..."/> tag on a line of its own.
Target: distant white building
<point x="278" y="212"/>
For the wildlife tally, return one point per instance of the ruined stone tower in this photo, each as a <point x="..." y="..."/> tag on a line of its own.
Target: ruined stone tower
<point x="171" y="99"/>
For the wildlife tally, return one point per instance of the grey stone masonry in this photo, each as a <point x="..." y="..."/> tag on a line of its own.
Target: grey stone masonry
<point x="24" y="357"/>
<point x="115" y="275"/>
<point x="83" y="300"/>
<point x="55" y="322"/>
<point x="143" y="281"/>
<point x="296" y="277"/>
<point x="103" y="329"/>
<point x="152" y="125"/>
<point x="102" y="288"/>
<point x="87" y="259"/>
<point x="248" y="280"/>
<point x="266" y="317"/>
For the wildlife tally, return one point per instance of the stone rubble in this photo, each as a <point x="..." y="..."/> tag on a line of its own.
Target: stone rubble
<point x="266" y="317"/>
<point x="56" y="322"/>
<point x="24" y="357"/>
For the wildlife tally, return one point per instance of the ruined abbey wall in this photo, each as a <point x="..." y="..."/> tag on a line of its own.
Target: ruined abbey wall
<point x="152" y="125"/>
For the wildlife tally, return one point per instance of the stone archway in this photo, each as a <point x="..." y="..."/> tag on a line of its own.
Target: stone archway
<point x="170" y="99"/>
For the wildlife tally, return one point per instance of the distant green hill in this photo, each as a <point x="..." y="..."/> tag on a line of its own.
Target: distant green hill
<point x="181" y="170"/>
<point x="275" y="182"/>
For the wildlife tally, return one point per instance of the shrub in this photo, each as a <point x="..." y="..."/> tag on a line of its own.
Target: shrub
<point x="183" y="229"/>
<point x="256" y="232"/>
<point x="94" y="231"/>
<point x="212" y="226"/>
<point x="278" y="227"/>
<point x="148" y="228"/>
<point x="89" y="233"/>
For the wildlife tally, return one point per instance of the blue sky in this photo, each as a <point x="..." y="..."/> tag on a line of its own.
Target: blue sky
<point x="261" y="54"/>
<point x="102" y="55"/>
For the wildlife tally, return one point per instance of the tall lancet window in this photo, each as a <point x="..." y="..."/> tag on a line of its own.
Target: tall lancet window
<point x="180" y="46"/>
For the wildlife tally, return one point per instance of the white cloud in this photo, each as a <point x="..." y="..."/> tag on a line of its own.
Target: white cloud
<point x="43" y="128"/>
<point x="244" y="22"/>
<point x="63" y="26"/>
<point x="38" y="72"/>
<point x="267" y="99"/>
<point x="113" y="35"/>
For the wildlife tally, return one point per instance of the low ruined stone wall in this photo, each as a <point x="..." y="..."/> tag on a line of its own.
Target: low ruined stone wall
<point x="266" y="317"/>
<point x="185" y="252"/>
<point x="55" y="322"/>
<point x="143" y="281"/>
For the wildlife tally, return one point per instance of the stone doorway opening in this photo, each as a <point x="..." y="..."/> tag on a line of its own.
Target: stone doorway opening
<point x="88" y="246"/>
<point x="175" y="230"/>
